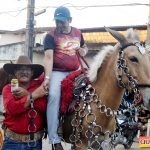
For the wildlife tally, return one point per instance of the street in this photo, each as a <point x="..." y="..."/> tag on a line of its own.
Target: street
<point x="47" y="146"/>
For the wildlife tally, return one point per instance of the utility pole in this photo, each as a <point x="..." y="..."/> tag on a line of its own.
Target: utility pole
<point x="148" y="27"/>
<point x="30" y="36"/>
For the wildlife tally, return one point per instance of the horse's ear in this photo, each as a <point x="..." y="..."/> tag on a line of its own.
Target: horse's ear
<point x="133" y="35"/>
<point x="118" y="36"/>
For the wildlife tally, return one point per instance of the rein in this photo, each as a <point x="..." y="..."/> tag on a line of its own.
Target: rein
<point x="85" y="62"/>
<point x="84" y="70"/>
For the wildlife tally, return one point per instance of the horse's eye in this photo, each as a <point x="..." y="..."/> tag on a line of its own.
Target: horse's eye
<point x="133" y="59"/>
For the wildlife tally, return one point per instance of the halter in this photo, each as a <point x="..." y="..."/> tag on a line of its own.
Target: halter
<point x="122" y="67"/>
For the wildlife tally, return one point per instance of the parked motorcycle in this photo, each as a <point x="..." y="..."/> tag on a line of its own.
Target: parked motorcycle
<point x="126" y="127"/>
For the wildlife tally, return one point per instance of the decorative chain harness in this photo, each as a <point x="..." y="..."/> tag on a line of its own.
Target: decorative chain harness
<point x="97" y="138"/>
<point x="132" y="83"/>
<point x="32" y="126"/>
<point x="88" y="95"/>
<point x="122" y="67"/>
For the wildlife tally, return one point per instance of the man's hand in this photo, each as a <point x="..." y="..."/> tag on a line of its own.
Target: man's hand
<point x="83" y="50"/>
<point x="39" y="92"/>
<point x="46" y="84"/>
<point x="20" y="92"/>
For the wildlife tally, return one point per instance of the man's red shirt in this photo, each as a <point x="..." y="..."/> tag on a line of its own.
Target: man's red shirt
<point x="16" y="114"/>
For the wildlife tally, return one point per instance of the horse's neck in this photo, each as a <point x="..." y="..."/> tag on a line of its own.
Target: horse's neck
<point x="106" y="83"/>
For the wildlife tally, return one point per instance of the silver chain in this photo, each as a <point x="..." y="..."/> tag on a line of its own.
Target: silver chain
<point x="32" y="126"/>
<point x="94" y="133"/>
<point x="85" y="112"/>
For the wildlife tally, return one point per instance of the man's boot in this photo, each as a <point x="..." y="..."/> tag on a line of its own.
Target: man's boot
<point x="57" y="146"/>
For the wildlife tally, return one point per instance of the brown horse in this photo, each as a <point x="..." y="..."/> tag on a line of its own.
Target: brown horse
<point x="114" y="70"/>
<point x="5" y="78"/>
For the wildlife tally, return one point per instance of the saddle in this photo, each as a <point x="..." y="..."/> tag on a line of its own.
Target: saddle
<point x="71" y="87"/>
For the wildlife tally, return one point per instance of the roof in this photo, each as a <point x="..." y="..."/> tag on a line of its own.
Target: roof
<point x="23" y="42"/>
<point x="105" y="37"/>
<point x="5" y="31"/>
<point x="23" y="31"/>
<point x="93" y="35"/>
<point x="100" y="35"/>
<point x="94" y="29"/>
<point x="117" y="28"/>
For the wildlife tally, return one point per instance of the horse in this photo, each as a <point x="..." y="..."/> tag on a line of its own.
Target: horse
<point x="5" y="78"/>
<point x="115" y="70"/>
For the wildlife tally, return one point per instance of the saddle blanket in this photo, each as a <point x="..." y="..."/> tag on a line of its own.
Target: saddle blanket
<point x="67" y="86"/>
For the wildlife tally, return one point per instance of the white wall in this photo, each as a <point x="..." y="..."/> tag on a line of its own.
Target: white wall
<point x="39" y="38"/>
<point x="38" y="58"/>
<point x="15" y="38"/>
<point x="11" y="52"/>
<point x="11" y="38"/>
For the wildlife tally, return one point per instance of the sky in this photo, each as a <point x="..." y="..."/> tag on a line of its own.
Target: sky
<point x="94" y="13"/>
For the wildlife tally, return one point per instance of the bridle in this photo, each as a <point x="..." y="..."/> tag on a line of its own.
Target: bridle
<point x="132" y="82"/>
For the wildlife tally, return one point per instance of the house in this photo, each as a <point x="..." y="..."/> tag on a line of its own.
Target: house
<point x="12" y="43"/>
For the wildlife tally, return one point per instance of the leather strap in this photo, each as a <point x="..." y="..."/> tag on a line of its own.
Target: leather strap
<point x="23" y="137"/>
<point x="85" y="62"/>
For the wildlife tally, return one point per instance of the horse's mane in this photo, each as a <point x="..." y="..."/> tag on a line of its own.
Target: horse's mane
<point x="98" y="61"/>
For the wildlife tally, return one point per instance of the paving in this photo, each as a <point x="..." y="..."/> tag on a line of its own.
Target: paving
<point x="135" y="146"/>
<point x="47" y="146"/>
<point x="66" y="146"/>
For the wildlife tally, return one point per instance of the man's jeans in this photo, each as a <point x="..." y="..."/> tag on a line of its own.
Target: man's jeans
<point x="9" y="144"/>
<point x="54" y="105"/>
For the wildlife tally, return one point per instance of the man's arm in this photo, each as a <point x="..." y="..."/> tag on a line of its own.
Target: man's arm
<point x="48" y="65"/>
<point x="38" y="94"/>
<point x="12" y="105"/>
<point x="83" y="50"/>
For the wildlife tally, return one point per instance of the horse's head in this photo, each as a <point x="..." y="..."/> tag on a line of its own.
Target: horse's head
<point x="133" y="65"/>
